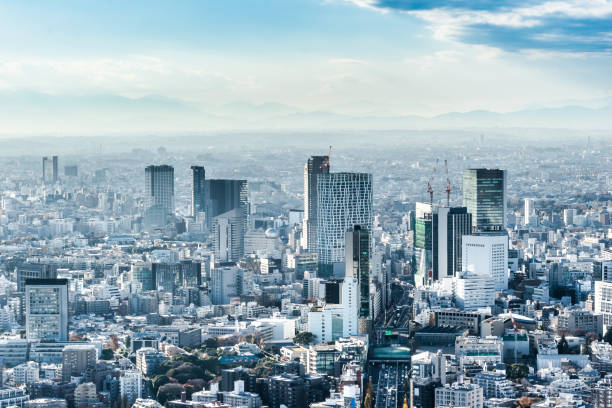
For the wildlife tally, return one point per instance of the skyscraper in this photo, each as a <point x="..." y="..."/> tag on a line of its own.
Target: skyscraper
<point x="314" y="166"/>
<point x="487" y="254"/>
<point x="343" y="201"/>
<point x="49" y="168"/>
<point x="159" y="194"/>
<point x="423" y="236"/>
<point x="484" y="195"/>
<point x="452" y="224"/>
<point x="46" y="309"/>
<point x="223" y="195"/>
<point x="34" y="270"/>
<point x="198" y="187"/>
<point x="357" y="264"/>
<point x="228" y="231"/>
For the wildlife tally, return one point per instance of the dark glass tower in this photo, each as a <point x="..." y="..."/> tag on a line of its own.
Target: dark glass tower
<point x="484" y="195"/>
<point x="198" y="181"/>
<point x="357" y="248"/>
<point x="223" y="195"/>
<point x="314" y="166"/>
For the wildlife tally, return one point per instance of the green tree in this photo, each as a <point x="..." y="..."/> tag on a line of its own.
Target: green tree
<point x="211" y="343"/>
<point x="158" y="381"/>
<point x="107" y="354"/>
<point x="563" y="346"/>
<point x="264" y="367"/>
<point x="169" y="392"/>
<point x="304" y="338"/>
<point x="517" y="371"/>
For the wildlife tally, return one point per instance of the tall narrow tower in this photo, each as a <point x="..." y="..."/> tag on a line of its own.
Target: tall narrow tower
<point x="198" y="185"/>
<point x="314" y="166"/>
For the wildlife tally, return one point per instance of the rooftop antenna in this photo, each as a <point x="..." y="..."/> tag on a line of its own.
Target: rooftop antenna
<point x="448" y="185"/>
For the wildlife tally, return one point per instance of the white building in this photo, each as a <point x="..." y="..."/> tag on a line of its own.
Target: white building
<point x="26" y="373"/>
<point x="350" y="306"/>
<point x="130" y="385"/>
<point x="603" y="302"/>
<point x="282" y="328"/>
<point x="459" y="395"/>
<point x="487" y="255"/>
<point x="474" y="291"/>
<point x="343" y="200"/>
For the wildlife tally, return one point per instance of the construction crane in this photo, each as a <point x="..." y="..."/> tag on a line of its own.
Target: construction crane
<point x="448" y="185"/>
<point x="429" y="187"/>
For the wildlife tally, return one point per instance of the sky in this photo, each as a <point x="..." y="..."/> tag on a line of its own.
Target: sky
<point x="72" y="64"/>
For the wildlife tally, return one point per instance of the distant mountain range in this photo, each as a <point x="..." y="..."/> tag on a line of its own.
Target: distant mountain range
<point x="30" y="112"/>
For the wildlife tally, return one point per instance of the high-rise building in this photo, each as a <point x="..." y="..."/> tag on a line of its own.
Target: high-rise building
<point x="172" y="276"/>
<point x="353" y="307"/>
<point x="46" y="309"/>
<point x="223" y="284"/>
<point x="484" y="195"/>
<point x="343" y="201"/>
<point x="159" y="194"/>
<point x="314" y="166"/>
<point x="49" y="168"/>
<point x="77" y="358"/>
<point x="130" y="385"/>
<point x="34" y="270"/>
<point x="71" y="170"/>
<point x="198" y="187"/>
<point x="487" y="255"/>
<point x="228" y="231"/>
<point x="142" y="272"/>
<point x="223" y="195"/>
<point x="452" y="224"/>
<point x="423" y="242"/>
<point x="357" y="264"/>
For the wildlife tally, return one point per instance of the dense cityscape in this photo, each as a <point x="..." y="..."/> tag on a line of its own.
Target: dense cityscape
<point x="472" y="274"/>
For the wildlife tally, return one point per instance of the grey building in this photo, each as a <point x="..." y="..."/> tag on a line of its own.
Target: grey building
<point x="198" y="187"/>
<point x="46" y="309"/>
<point x="159" y="194"/>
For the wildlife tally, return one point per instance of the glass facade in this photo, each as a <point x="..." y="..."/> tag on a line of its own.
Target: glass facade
<point x="484" y="195"/>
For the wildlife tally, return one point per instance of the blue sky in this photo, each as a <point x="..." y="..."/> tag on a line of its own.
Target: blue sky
<point x="383" y="57"/>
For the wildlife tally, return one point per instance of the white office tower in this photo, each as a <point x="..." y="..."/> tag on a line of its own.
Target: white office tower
<point x="350" y="306"/>
<point x="344" y="200"/>
<point x="487" y="255"/>
<point x="223" y="284"/>
<point x="474" y="291"/>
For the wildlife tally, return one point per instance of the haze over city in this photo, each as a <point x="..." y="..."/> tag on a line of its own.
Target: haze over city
<point x="306" y="204"/>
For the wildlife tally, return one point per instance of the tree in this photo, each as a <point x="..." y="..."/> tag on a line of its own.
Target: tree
<point x="563" y="346"/>
<point x="169" y="392"/>
<point x="107" y="354"/>
<point x="264" y="367"/>
<point x="158" y="381"/>
<point x="304" y="338"/>
<point x="369" y="397"/>
<point x="211" y="343"/>
<point x="517" y="371"/>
